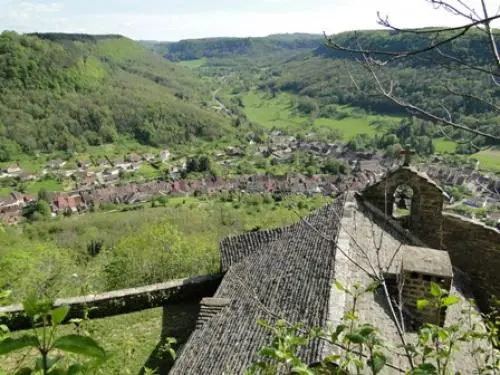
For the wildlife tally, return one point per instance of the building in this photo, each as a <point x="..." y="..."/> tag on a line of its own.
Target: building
<point x="289" y="273"/>
<point x="164" y="155"/>
<point x="13" y="169"/>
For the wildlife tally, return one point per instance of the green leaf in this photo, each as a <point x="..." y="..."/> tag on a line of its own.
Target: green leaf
<point x="32" y="306"/>
<point x="75" y="369"/>
<point x="339" y="286"/>
<point x="59" y="314"/>
<point x="57" y="371"/>
<point x="172" y="353"/>
<point x="332" y="358"/>
<point x="340" y="328"/>
<point x="449" y="301"/>
<point x="422" y="304"/>
<point x="372" y="286"/>
<point x="10" y="344"/>
<point x="267" y="352"/>
<point x="424" y="369"/>
<point x="377" y="362"/>
<point x="22" y="371"/>
<point x="355" y="338"/>
<point x="5" y="294"/>
<point x="301" y="370"/>
<point x="435" y="290"/>
<point x="80" y="345"/>
<point x="366" y="331"/>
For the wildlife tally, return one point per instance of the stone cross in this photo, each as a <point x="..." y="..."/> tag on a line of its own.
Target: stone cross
<point x="407" y="152"/>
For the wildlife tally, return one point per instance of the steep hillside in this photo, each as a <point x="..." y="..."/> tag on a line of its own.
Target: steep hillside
<point x="324" y="78"/>
<point x="64" y="92"/>
<point x="321" y="79"/>
<point x="262" y="47"/>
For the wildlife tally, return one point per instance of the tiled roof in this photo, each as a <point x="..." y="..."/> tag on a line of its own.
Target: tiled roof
<point x="287" y="272"/>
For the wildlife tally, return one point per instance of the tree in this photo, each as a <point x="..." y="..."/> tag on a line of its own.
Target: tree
<point x="43" y="208"/>
<point x="436" y="46"/>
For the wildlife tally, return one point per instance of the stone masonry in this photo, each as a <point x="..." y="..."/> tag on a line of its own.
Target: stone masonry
<point x="419" y="267"/>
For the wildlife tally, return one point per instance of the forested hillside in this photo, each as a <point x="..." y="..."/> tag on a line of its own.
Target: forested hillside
<point x="328" y="77"/>
<point x="322" y="78"/>
<point x="64" y="92"/>
<point x="192" y="49"/>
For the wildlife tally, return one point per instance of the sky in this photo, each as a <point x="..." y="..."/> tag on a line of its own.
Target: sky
<point x="172" y="20"/>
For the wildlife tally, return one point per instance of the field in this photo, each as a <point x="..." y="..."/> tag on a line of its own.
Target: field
<point x="133" y="341"/>
<point x="192" y="64"/>
<point x="488" y="159"/>
<point x="444" y="146"/>
<point x="280" y="112"/>
<point x="178" y="237"/>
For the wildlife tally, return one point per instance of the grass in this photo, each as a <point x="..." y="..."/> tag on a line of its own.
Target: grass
<point x="489" y="160"/>
<point x="280" y="112"/>
<point x="147" y="170"/>
<point x="192" y="64"/>
<point x="444" y="146"/>
<point x="133" y="341"/>
<point x="190" y="227"/>
<point x="49" y="185"/>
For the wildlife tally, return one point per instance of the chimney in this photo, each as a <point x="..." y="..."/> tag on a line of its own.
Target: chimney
<point x="209" y="307"/>
<point x="421" y="266"/>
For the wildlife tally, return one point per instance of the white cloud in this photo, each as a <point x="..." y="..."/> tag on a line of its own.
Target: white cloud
<point x="333" y="16"/>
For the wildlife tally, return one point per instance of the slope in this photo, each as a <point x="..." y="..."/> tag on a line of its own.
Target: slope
<point x="68" y="91"/>
<point x="256" y="47"/>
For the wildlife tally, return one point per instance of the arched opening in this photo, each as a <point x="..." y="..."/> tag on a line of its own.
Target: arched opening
<point x="403" y="200"/>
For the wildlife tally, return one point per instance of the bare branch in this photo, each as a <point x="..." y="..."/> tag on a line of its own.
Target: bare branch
<point x="491" y="37"/>
<point x="472" y="96"/>
<point x="422" y="113"/>
<point x="470" y="66"/>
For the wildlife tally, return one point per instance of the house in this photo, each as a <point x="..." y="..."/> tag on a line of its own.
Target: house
<point x="14" y="202"/>
<point x="102" y="162"/>
<point x="289" y="273"/>
<point x="84" y="164"/>
<point x="112" y="171"/>
<point x="25" y="177"/>
<point x="476" y="202"/>
<point x="64" y="203"/>
<point x="164" y="155"/>
<point x="233" y="151"/>
<point x="148" y="156"/>
<point x="56" y="164"/>
<point x="133" y="158"/>
<point x="13" y="169"/>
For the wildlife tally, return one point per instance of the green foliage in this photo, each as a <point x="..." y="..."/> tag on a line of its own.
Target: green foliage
<point x="98" y="251"/>
<point x="361" y="348"/>
<point x="45" y="339"/>
<point x="235" y="47"/>
<point x="70" y="92"/>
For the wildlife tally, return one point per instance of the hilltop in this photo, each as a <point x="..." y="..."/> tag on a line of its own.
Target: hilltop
<point x="64" y="92"/>
<point x="256" y="47"/>
<point x="319" y="82"/>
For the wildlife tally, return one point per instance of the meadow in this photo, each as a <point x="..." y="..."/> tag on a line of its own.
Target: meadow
<point x="99" y="251"/>
<point x="488" y="160"/>
<point x="280" y="112"/>
<point x="170" y="238"/>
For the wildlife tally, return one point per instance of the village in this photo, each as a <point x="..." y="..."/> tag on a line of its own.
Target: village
<point x="106" y="180"/>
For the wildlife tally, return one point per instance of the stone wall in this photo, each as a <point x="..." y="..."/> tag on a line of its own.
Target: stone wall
<point x="475" y="249"/>
<point x="124" y="301"/>
<point x="427" y="201"/>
